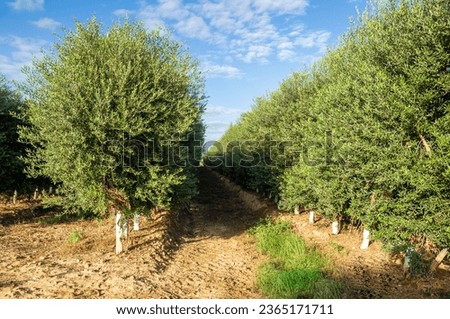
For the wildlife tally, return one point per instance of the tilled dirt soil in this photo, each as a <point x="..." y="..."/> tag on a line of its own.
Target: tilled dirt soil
<point x="370" y="273"/>
<point x="203" y="253"/>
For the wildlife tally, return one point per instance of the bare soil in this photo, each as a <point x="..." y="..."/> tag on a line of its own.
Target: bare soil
<point x="203" y="253"/>
<point x="371" y="273"/>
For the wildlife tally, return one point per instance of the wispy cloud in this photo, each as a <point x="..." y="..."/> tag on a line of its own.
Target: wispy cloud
<point x="243" y="30"/>
<point x="47" y="23"/>
<point x="218" y="119"/>
<point x="286" y="49"/>
<point x="308" y="59"/>
<point x="285" y="54"/>
<point x="10" y="68"/>
<point x="123" y="12"/>
<point x="22" y="52"/>
<point x="318" y="39"/>
<point x="260" y="53"/>
<point x="218" y="110"/>
<point x="150" y="16"/>
<point x="173" y="9"/>
<point x="212" y="70"/>
<point x="194" y="27"/>
<point x="27" y="5"/>
<point x="282" y="6"/>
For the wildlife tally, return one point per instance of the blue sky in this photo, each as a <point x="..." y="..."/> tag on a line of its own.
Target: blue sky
<point x="245" y="47"/>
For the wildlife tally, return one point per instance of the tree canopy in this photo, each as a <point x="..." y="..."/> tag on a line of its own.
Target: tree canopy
<point x="115" y="118"/>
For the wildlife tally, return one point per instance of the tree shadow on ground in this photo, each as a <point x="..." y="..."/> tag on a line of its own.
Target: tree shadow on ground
<point x="30" y="212"/>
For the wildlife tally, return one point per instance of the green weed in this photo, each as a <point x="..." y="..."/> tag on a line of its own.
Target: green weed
<point x="295" y="270"/>
<point x="418" y="266"/>
<point x="74" y="237"/>
<point x="339" y="248"/>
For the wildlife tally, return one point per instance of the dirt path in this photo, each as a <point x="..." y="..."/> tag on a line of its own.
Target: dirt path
<point x="219" y="259"/>
<point x="208" y="256"/>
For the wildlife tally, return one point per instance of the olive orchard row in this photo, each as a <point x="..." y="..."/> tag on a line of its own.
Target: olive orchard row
<point x="383" y="94"/>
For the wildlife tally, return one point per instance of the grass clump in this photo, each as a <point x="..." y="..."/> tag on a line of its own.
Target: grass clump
<point x="295" y="270"/>
<point x="75" y="236"/>
<point x="339" y="248"/>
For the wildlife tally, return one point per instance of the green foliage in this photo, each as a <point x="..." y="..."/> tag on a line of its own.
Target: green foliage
<point x="74" y="237"/>
<point x="296" y="270"/>
<point x="415" y="262"/>
<point x="364" y="134"/>
<point x="418" y="266"/>
<point x="11" y="167"/>
<point x="115" y="119"/>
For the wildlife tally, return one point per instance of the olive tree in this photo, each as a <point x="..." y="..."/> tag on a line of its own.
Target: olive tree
<point x="112" y="115"/>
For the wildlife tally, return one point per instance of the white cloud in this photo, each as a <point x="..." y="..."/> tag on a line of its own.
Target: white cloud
<point x="218" y="16"/>
<point x="11" y="69"/>
<point x="260" y="53"/>
<point x="241" y="29"/>
<point x="194" y="27"/>
<point x="22" y="52"/>
<point x="285" y="55"/>
<point x="307" y="59"/>
<point x="220" y="71"/>
<point x="123" y="12"/>
<point x="250" y="33"/>
<point x="296" y="30"/>
<point x="242" y="10"/>
<point x="285" y="44"/>
<point x="282" y="6"/>
<point x="150" y="17"/>
<point x="25" y="48"/>
<point x="261" y="31"/>
<point x="47" y="23"/>
<point x="27" y="5"/>
<point x="218" y="118"/>
<point x="217" y="110"/>
<point x="317" y="39"/>
<point x="172" y="9"/>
